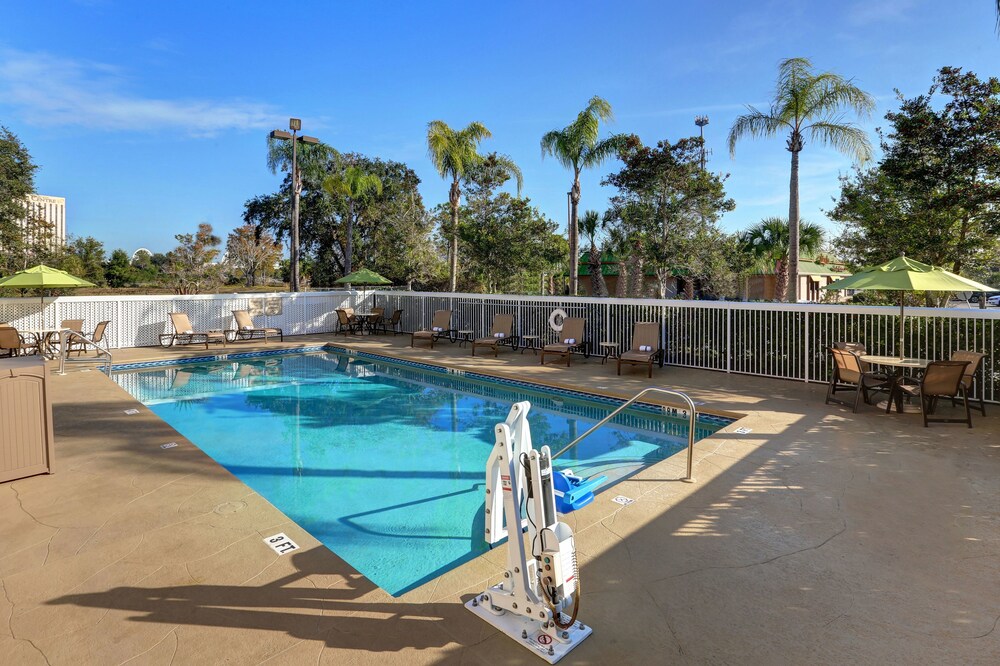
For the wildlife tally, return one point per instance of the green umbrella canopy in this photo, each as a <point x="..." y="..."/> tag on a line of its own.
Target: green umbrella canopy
<point x="904" y="274"/>
<point x="43" y="277"/>
<point x="363" y="276"/>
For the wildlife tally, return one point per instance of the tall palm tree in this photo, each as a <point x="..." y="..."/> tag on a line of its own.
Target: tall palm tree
<point x="807" y="104"/>
<point x="590" y="224"/>
<point x="769" y="243"/>
<point x="577" y="146"/>
<point x="352" y="184"/>
<point x="454" y="154"/>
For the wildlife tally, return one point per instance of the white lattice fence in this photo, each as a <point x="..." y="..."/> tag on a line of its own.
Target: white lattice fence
<point x="138" y="321"/>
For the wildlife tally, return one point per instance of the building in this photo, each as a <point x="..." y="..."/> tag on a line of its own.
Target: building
<point x="813" y="276"/>
<point x="51" y="211"/>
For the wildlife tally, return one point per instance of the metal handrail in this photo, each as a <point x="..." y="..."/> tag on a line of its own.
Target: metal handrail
<point x="64" y="352"/>
<point x="692" y="418"/>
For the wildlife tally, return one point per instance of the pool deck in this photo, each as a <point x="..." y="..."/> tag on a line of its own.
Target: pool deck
<point x="820" y="536"/>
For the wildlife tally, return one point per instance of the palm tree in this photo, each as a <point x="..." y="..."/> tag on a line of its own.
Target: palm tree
<point x="454" y="154"/>
<point x="769" y="243"/>
<point x="590" y="224"/>
<point x="577" y="147"/>
<point x="352" y="184"/>
<point x="810" y="104"/>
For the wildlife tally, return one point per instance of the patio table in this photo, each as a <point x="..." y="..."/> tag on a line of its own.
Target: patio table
<point x="896" y="365"/>
<point x="43" y="335"/>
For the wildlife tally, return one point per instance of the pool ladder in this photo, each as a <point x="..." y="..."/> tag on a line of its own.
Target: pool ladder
<point x="692" y="413"/>
<point x="103" y="355"/>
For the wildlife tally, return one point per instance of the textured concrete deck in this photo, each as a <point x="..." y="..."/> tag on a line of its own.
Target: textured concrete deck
<point x="819" y="537"/>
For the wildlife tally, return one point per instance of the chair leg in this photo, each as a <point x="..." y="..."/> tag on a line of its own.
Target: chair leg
<point x="650" y="368"/>
<point x="924" y="406"/>
<point x="965" y="399"/>
<point x="619" y="367"/>
<point x="857" y="396"/>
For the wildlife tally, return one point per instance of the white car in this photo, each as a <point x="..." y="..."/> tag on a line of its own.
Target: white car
<point x="993" y="300"/>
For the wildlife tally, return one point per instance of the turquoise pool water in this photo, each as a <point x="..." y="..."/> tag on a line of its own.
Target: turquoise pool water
<point x="384" y="463"/>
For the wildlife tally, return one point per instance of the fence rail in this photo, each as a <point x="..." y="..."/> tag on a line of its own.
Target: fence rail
<point x="787" y="341"/>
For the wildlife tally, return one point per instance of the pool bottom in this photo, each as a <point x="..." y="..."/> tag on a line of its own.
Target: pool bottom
<point x="382" y="463"/>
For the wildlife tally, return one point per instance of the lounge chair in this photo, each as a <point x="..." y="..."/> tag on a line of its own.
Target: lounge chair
<point x="440" y="328"/>
<point x="184" y="333"/>
<point x="502" y="333"/>
<point x="79" y="345"/>
<point x="942" y="379"/>
<point x="571" y="341"/>
<point x="971" y="377"/>
<point x="347" y="322"/>
<point x="645" y="347"/>
<point x="245" y="329"/>
<point x="850" y="375"/>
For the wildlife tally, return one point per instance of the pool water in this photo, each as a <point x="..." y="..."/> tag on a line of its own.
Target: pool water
<point x="384" y="463"/>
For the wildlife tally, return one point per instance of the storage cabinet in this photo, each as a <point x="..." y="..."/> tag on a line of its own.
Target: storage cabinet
<point x="26" y="444"/>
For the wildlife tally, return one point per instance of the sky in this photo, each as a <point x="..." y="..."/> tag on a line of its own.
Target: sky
<point x="151" y="117"/>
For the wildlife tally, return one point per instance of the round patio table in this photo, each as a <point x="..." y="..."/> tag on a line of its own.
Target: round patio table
<point x="897" y="365"/>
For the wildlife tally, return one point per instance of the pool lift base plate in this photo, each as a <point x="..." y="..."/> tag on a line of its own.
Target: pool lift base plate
<point x="529" y="632"/>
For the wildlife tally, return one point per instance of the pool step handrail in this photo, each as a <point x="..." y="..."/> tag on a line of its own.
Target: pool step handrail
<point x="103" y="355"/>
<point x="692" y="413"/>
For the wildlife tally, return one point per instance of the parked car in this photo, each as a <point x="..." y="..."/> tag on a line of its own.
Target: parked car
<point x="993" y="300"/>
<point x="990" y="297"/>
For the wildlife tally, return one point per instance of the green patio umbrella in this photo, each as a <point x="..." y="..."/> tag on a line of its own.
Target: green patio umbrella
<point x="365" y="278"/>
<point x="43" y="277"/>
<point x="903" y="274"/>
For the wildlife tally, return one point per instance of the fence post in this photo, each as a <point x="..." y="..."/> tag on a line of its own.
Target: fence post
<point x="729" y="338"/>
<point x="808" y="357"/>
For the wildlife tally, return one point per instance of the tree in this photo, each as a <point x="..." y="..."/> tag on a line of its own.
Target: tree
<point x="769" y="243"/>
<point x="590" y="225"/>
<point x="352" y="184"/>
<point x="17" y="181"/>
<point x="671" y="205"/>
<point x="455" y="154"/>
<point x="807" y="104"/>
<point x="253" y="253"/>
<point x="578" y="146"/>
<point x="118" y="271"/>
<point x="189" y="268"/>
<point x="503" y="237"/>
<point x="935" y="193"/>
<point x="90" y="252"/>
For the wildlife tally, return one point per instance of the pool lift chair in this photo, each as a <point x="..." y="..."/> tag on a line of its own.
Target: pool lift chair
<point x="541" y="584"/>
<point x="538" y="586"/>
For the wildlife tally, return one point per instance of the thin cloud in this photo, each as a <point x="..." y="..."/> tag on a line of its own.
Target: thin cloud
<point x="53" y="91"/>
<point x="868" y="13"/>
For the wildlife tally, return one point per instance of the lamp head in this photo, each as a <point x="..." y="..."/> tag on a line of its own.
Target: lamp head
<point x="280" y="134"/>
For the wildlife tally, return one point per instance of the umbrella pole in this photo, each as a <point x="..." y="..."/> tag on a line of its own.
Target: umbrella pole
<point x="901" y="354"/>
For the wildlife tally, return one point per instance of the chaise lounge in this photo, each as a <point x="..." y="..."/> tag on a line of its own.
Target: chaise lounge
<point x="245" y="329"/>
<point x="502" y="333"/>
<point x="645" y="347"/>
<point x="440" y="328"/>
<point x="571" y="341"/>
<point x="184" y="333"/>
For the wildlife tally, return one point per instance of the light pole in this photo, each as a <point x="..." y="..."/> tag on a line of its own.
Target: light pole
<point x="294" y="124"/>
<point x="701" y="121"/>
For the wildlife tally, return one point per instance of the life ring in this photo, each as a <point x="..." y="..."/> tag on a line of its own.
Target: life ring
<point x="556" y="319"/>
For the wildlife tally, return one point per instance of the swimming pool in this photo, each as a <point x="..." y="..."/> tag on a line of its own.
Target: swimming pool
<point x="384" y="462"/>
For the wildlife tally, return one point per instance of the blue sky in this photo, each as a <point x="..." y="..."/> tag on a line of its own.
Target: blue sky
<point x="150" y="117"/>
